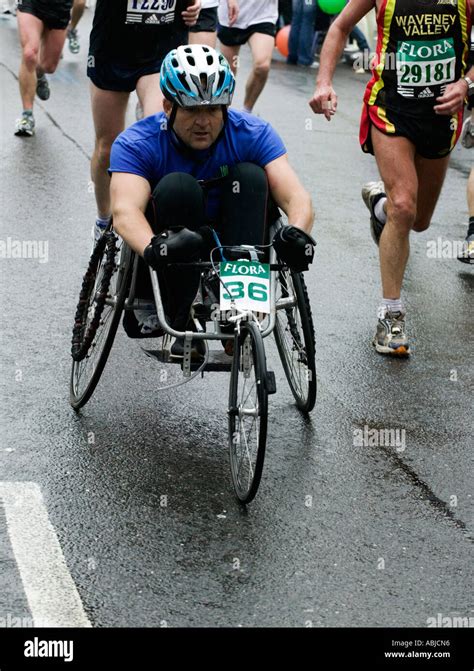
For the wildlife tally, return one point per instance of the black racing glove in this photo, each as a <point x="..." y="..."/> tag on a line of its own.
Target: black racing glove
<point x="177" y="245"/>
<point x="294" y="247"/>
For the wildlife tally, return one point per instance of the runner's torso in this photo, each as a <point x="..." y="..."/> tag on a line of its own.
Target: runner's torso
<point x="422" y="47"/>
<point x="136" y="31"/>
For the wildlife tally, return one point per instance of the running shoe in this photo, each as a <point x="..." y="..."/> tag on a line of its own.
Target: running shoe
<point x="25" y="126"/>
<point x="467" y="255"/>
<point x="42" y="88"/>
<point x="372" y="192"/>
<point x="467" y="134"/>
<point x="148" y="323"/>
<point x="391" y="336"/>
<point x="73" y="40"/>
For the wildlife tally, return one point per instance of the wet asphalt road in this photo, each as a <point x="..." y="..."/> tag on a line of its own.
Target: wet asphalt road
<point x="338" y="535"/>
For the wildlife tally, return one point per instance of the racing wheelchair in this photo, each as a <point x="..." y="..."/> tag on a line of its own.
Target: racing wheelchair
<point x="241" y="301"/>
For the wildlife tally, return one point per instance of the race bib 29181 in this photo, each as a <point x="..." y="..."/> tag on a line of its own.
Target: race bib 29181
<point x="150" y="12"/>
<point x="424" y="68"/>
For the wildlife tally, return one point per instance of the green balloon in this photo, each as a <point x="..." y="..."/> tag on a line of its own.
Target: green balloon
<point x="332" y="6"/>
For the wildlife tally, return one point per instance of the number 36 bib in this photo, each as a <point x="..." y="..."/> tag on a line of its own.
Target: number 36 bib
<point x="424" y="68"/>
<point x="151" y="12"/>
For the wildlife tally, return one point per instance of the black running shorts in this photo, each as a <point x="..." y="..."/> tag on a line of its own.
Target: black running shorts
<point x="55" y="14"/>
<point x="235" y="37"/>
<point x="207" y="21"/>
<point x="433" y="135"/>
<point x="111" y="76"/>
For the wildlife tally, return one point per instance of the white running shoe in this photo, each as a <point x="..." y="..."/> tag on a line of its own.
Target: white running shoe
<point x="25" y="126"/>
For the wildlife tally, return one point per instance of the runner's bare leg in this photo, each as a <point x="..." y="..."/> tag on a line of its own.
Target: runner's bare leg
<point x="149" y="94"/>
<point x="232" y="56"/>
<point x="30" y="30"/>
<point x="262" y="49"/>
<point x="77" y="12"/>
<point x="108" y="111"/>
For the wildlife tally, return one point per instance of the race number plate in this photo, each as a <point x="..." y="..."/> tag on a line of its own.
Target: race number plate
<point x="424" y="68"/>
<point x="151" y="12"/>
<point x="247" y="286"/>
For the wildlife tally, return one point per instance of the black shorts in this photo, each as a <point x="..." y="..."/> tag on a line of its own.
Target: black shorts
<point x="207" y="21"/>
<point x="433" y="135"/>
<point x="55" y="14"/>
<point x="111" y="76"/>
<point x="235" y="37"/>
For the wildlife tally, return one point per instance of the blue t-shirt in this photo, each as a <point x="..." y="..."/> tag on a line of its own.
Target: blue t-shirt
<point x="146" y="149"/>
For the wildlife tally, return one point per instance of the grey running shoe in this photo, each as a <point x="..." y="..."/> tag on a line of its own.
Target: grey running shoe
<point x="25" y="126"/>
<point x="73" y="40"/>
<point x="372" y="192"/>
<point x="467" y="134"/>
<point x="42" y="88"/>
<point x="467" y="255"/>
<point x="391" y="337"/>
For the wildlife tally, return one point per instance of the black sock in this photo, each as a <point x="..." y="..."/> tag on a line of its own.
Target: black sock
<point x="470" y="230"/>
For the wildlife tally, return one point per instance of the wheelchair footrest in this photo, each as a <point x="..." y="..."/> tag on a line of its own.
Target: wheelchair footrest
<point x="218" y="362"/>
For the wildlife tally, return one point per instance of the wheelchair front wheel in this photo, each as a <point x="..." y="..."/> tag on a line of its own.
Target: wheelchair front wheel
<point x="101" y="300"/>
<point x="248" y="411"/>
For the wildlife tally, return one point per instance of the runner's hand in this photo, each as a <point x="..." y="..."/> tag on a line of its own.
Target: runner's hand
<point x="452" y="100"/>
<point x="324" y="101"/>
<point x="233" y="10"/>
<point x="191" y="14"/>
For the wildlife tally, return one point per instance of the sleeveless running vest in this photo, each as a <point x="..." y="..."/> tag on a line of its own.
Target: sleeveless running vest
<point x="423" y="45"/>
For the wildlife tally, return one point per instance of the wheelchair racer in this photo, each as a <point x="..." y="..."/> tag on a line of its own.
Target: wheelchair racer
<point x="159" y="205"/>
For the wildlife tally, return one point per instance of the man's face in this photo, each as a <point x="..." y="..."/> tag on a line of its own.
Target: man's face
<point x="198" y="127"/>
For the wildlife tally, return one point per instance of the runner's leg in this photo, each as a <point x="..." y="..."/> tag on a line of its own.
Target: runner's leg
<point x="30" y="29"/>
<point x="52" y="44"/>
<point x="470" y="194"/>
<point x="262" y="50"/>
<point x="232" y="56"/>
<point x="203" y="38"/>
<point x="108" y="112"/>
<point x="149" y="94"/>
<point x="77" y="12"/>
<point x="431" y="174"/>
<point x="395" y="158"/>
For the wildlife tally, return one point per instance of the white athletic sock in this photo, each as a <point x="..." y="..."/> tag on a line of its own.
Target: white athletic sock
<point x="390" y="305"/>
<point x="379" y="211"/>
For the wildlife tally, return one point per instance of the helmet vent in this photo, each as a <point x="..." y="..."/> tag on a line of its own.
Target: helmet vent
<point x="182" y="79"/>
<point x="191" y="61"/>
<point x="210" y="59"/>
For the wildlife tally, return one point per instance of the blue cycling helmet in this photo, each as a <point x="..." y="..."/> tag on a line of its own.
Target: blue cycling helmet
<point x="197" y="75"/>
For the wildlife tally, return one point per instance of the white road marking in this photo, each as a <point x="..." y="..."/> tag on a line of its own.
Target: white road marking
<point x="51" y="593"/>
